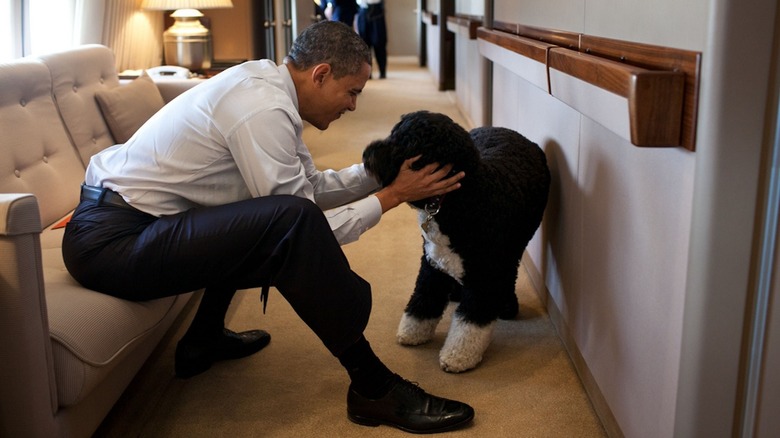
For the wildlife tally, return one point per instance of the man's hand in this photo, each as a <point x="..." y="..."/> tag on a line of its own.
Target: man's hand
<point x="413" y="185"/>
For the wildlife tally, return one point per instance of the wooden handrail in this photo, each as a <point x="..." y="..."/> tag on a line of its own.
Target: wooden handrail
<point x="654" y="96"/>
<point x="464" y="24"/>
<point x="660" y="84"/>
<point x="656" y="58"/>
<point x="561" y="38"/>
<point x="529" y="48"/>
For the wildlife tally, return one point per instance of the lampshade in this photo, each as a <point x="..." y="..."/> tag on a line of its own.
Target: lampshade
<point x="169" y="5"/>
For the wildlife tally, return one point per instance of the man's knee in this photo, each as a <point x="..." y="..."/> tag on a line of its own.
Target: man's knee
<point x="296" y="206"/>
<point x="291" y="201"/>
<point x="296" y="212"/>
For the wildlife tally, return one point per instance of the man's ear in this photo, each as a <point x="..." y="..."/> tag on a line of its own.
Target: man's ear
<point x="319" y="73"/>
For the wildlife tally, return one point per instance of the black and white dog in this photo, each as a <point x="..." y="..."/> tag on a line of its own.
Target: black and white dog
<point x="473" y="237"/>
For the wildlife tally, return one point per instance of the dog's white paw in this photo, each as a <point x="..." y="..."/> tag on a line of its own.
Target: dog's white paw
<point x="415" y="331"/>
<point x="465" y="344"/>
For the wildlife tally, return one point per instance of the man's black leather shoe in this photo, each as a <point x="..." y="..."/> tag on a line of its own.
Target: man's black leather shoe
<point x="409" y="408"/>
<point x="196" y="355"/>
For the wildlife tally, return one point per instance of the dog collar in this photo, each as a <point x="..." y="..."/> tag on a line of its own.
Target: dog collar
<point x="432" y="208"/>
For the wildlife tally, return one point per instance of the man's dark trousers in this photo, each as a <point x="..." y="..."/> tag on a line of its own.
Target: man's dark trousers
<point x="280" y="241"/>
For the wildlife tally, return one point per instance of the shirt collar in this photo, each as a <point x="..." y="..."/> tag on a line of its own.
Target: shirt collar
<point x="288" y="82"/>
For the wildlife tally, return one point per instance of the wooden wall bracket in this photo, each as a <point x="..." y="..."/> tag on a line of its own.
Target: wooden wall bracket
<point x="465" y="25"/>
<point x="430" y="18"/>
<point x="653" y="90"/>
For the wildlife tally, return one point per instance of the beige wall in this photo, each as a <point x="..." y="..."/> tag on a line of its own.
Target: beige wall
<point x="646" y="253"/>
<point x="232" y="28"/>
<point x="231" y="31"/>
<point x="614" y="244"/>
<point x="401" y="20"/>
<point x="469" y="7"/>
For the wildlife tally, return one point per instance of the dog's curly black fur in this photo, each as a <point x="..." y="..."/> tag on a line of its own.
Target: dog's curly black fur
<point x="473" y="237"/>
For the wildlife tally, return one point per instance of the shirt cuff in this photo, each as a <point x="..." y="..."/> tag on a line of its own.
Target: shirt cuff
<point x="352" y="220"/>
<point x="370" y="209"/>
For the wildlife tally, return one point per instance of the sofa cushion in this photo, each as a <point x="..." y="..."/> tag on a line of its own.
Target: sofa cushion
<point x="91" y="332"/>
<point x="38" y="156"/>
<point x="76" y="75"/>
<point x="127" y="107"/>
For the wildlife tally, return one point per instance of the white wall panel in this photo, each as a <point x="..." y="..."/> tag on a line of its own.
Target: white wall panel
<point x="614" y="244"/>
<point x="635" y="221"/>
<point x="556" y="249"/>
<point x="556" y="14"/>
<point x="469" y="76"/>
<point x="469" y="7"/>
<point x="672" y="23"/>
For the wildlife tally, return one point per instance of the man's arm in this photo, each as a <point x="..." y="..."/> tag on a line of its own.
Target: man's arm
<point x="348" y="222"/>
<point x="411" y="185"/>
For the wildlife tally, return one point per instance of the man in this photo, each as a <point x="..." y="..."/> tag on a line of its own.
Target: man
<point x="342" y="10"/>
<point x="372" y="28"/>
<point x="218" y="191"/>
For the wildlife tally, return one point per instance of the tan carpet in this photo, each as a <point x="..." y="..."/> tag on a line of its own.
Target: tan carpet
<point x="525" y="387"/>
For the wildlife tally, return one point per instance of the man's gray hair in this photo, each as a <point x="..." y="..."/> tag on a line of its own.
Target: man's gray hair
<point x="330" y="42"/>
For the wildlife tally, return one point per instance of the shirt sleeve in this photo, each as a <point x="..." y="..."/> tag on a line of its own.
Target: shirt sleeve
<point x="264" y="147"/>
<point x="348" y="222"/>
<point x="334" y="188"/>
<point x="273" y="160"/>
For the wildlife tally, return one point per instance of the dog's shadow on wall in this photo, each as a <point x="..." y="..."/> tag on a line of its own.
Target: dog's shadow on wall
<point x="579" y="240"/>
<point x="555" y="265"/>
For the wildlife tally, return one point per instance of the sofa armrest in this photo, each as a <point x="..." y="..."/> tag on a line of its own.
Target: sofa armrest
<point x="28" y="399"/>
<point x="19" y="214"/>
<point x="172" y="87"/>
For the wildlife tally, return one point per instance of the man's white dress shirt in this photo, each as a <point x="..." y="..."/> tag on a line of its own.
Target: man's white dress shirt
<point x="235" y="136"/>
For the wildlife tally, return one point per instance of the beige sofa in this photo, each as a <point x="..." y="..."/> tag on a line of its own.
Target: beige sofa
<point x="66" y="353"/>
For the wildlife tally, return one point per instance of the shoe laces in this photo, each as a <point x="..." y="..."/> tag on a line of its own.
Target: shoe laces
<point x="411" y="386"/>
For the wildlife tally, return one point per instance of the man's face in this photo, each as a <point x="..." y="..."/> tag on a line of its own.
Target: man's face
<point x="337" y="96"/>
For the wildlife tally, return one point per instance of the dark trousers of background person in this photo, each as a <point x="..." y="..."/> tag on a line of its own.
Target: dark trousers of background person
<point x="281" y="241"/>
<point x="344" y="11"/>
<point x="373" y="29"/>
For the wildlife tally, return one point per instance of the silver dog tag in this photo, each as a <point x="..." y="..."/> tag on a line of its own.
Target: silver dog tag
<point x="426" y="225"/>
<point x="431" y="210"/>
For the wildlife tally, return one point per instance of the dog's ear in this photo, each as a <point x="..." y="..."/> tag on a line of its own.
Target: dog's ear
<point x="378" y="161"/>
<point x="371" y="157"/>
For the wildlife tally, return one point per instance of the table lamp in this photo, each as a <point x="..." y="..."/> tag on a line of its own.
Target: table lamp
<point x="187" y="43"/>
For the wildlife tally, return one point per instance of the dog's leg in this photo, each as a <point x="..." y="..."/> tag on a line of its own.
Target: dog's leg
<point x="426" y="306"/>
<point x="500" y="279"/>
<point x="416" y="331"/>
<point x="466" y="343"/>
<point x="472" y="325"/>
<point x="510" y="308"/>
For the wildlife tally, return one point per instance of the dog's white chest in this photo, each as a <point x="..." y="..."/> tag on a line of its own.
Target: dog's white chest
<point x="437" y="248"/>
